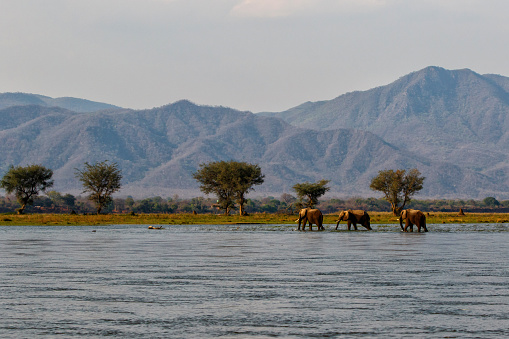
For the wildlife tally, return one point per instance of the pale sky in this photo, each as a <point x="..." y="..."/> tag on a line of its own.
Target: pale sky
<point x="256" y="55"/>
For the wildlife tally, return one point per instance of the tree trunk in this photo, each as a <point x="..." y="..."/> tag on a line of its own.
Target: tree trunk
<point x="396" y="210"/>
<point x="21" y="209"/>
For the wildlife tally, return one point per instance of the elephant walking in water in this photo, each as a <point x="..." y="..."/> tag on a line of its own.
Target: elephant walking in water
<point x="311" y="215"/>
<point x="412" y="217"/>
<point x="353" y="218"/>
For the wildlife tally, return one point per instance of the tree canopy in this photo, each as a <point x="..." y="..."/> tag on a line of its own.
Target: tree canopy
<point x="26" y="182"/>
<point x="101" y="180"/>
<point x="308" y="192"/>
<point x="397" y="186"/>
<point x="491" y="201"/>
<point x="230" y="181"/>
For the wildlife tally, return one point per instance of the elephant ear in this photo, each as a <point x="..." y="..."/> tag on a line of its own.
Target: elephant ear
<point x="403" y="214"/>
<point x="347" y="215"/>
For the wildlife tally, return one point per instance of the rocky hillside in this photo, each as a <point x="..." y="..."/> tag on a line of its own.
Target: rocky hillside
<point x="458" y="117"/>
<point x="159" y="149"/>
<point x="451" y="125"/>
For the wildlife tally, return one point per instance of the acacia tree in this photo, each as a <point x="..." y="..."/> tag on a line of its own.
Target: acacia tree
<point x="397" y="186"/>
<point x="311" y="191"/>
<point x="230" y="181"/>
<point x="101" y="180"/>
<point x="26" y="182"/>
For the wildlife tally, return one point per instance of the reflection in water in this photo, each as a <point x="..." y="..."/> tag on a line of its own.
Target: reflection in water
<point x="254" y="281"/>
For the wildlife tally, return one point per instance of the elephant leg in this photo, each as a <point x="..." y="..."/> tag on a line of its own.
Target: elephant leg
<point x="310" y="226"/>
<point x="349" y="224"/>
<point x="355" y="226"/>
<point x="409" y="225"/>
<point x="303" y="224"/>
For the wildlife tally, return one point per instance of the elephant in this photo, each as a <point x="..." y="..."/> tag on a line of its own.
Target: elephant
<point x="354" y="217"/>
<point x="413" y="217"/>
<point x="311" y="215"/>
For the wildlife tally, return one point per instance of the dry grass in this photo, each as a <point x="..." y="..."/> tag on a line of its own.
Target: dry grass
<point x="258" y="218"/>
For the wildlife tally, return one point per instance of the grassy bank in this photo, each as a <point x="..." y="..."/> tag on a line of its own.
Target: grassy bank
<point x="183" y="219"/>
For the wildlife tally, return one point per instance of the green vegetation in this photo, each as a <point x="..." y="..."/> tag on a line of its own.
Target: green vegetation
<point x="286" y="204"/>
<point x="308" y="193"/>
<point x="101" y="180"/>
<point x="230" y="181"/>
<point x="397" y="187"/>
<point x="26" y="182"/>
<point x="380" y="218"/>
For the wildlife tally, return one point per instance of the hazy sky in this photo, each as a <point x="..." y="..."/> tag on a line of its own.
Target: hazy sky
<point x="257" y="55"/>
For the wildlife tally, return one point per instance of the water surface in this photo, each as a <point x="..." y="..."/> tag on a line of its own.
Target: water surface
<point x="254" y="281"/>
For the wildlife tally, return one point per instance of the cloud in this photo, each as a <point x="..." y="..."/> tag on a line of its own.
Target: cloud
<point x="283" y="8"/>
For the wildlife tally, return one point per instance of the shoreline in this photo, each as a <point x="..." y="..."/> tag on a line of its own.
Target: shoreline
<point x="219" y="219"/>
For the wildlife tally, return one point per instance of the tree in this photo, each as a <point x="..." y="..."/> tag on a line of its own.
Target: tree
<point x="101" y="180"/>
<point x="397" y="186"/>
<point x="69" y="200"/>
<point x="230" y="181"/>
<point x="55" y="197"/>
<point x="247" y="175"/>
<point x="491" y="202"/>
<point x="26" y="182"/>
<point x="311" y="191"/>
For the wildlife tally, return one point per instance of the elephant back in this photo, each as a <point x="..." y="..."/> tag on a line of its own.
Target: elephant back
<point x="360" y="214"/>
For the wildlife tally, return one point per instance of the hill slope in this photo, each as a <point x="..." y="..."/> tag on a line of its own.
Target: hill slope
<point x="159" y="149"/>
<point x="73" y="104"/>
<point x="460" y="117"/>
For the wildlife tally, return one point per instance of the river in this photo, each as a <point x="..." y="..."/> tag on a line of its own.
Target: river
<point x="254" y="281"/>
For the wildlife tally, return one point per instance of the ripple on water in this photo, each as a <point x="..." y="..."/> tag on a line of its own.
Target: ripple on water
<point x="254" y="281"/>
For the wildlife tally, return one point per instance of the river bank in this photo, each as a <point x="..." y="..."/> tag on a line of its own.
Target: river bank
<point x="213" y="219"/>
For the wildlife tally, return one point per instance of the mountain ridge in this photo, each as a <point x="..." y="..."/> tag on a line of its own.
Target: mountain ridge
<point x="451" y="125"/>
<point x="11" y="99"/>
<point x="458" y="116"/>
<point x="159" y="149"/>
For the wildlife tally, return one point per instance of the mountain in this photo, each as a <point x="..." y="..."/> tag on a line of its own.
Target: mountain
<point x="159" y="149"/>
<point x="73" y="104"/>
<point x="451" y="125"/>
<point x="459" y="117"/>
